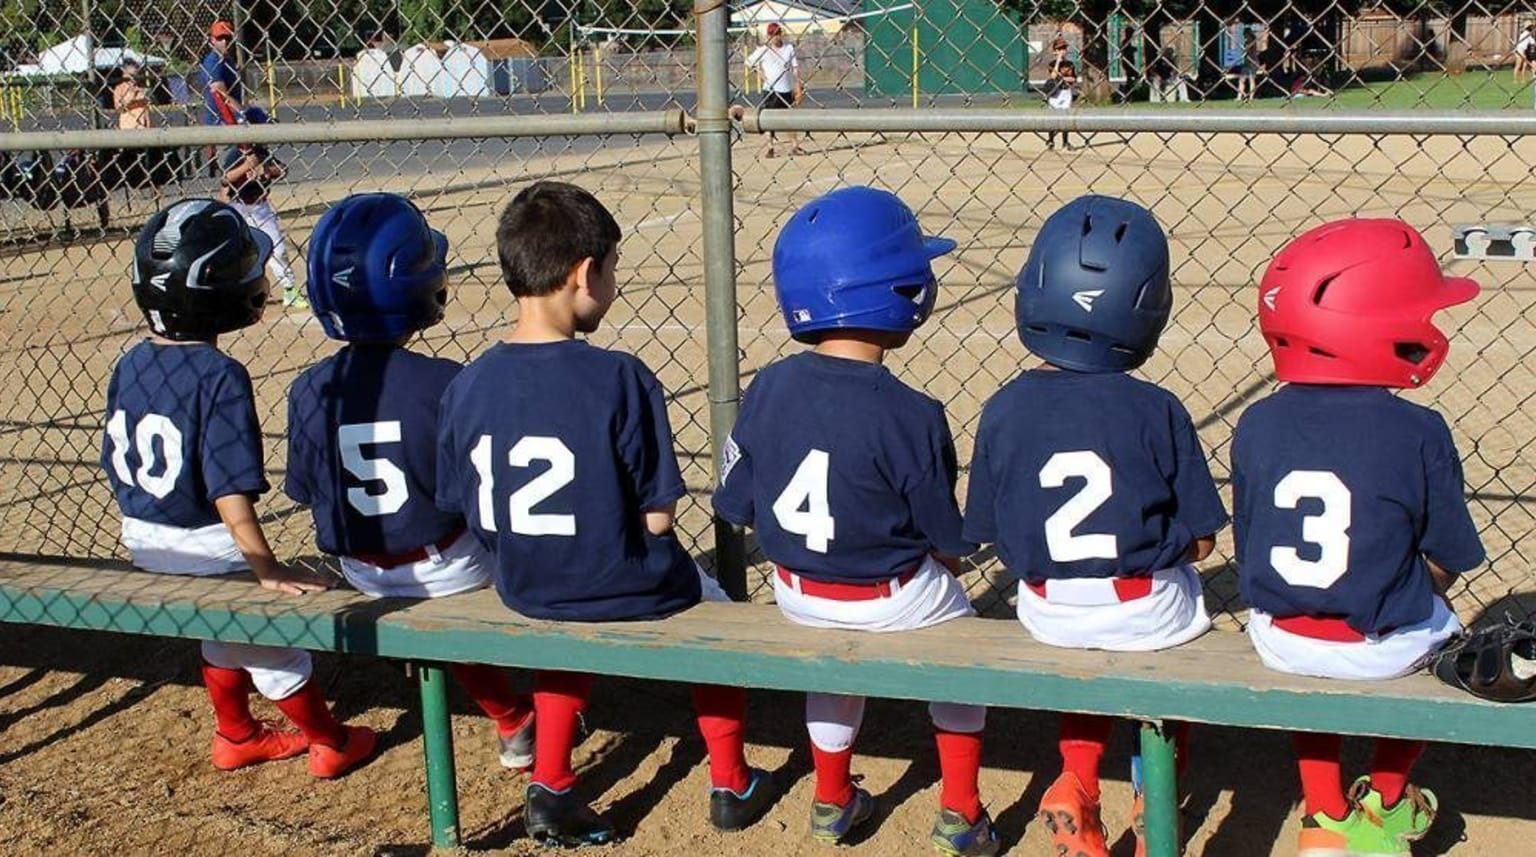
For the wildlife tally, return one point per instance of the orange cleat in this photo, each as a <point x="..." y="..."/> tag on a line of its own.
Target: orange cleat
<point x="269" y="744"/>
<point x="331" y="762"/>
<point x="1139" y="825"/>
<point x="1072" y="818"/>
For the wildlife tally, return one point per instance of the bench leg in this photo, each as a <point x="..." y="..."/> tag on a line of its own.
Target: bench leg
<point x="437" y="738"/>
<point x="1160" y="779"/>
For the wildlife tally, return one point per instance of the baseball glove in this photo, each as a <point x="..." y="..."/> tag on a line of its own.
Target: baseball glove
<point x="1496" y="662"/>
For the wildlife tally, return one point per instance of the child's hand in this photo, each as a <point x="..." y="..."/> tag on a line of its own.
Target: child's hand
<point x="955" y="565"/>
<point x="1439" y="577"/>
<point x="291" y="581"/>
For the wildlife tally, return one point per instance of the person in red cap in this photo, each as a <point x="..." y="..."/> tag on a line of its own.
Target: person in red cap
<point x="223" y="98"/>
<point x="780" y="71"/>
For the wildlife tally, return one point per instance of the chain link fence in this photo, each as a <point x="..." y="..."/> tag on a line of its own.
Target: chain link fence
<point x="458" y="104"/>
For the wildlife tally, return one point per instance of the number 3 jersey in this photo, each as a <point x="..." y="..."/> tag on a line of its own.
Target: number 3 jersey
<point x="847" y="474"/>
<point x="362" y="449"/>
<point x="1088" y="475"/>
<point x="1338" y="495"/>
<point x="552" y="452"/>
<point x="181" y="433"/>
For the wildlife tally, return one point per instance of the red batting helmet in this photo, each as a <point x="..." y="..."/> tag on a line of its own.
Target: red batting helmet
<point x="1351" y="302"/>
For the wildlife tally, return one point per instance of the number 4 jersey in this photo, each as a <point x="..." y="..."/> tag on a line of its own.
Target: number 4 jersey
<point x="181" y="433"/>
<point x="846" y="474"/>
<point x="552" y="452"/>
<point x="1338" y="495"/>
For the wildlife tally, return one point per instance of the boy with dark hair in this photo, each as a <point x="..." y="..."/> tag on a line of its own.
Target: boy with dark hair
<point x="559" y="455"/>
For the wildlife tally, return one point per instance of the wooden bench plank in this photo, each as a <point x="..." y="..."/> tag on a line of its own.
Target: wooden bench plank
<point x="1217" y="679"/>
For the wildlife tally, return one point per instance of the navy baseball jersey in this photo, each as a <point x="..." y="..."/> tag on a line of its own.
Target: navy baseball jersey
<point x="552" y="451"/>
<point x="362" y="449"/>
<point x="181" y="433"/>
<point x="1338" y="494"/>
<point x="1079" y="475"/>
<point x="847" y="474"/>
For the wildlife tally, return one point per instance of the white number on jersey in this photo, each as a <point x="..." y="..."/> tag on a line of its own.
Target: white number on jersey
<point x="153" y="427"/>
<point x="351" y="439"/>
<point x="1328" y="530"/>
<point x="523" y="520"/>
<point x="802" y="507"/>
<point x="1059" y="540"/>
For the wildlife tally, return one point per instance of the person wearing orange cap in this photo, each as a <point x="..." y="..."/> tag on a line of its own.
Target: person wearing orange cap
<point x="223" y="98"/>
<point x="780" y="71"/>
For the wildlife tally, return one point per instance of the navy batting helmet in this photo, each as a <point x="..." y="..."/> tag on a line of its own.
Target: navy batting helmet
<point x="199" y="270"/>
<point x="377" y="271"/>
<point x="855" y="258"/>
<point x="1094" y="294"/>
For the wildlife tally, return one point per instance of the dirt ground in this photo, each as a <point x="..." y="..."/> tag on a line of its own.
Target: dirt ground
<point x="104" y="741"/>
<point x="111" y="759"/>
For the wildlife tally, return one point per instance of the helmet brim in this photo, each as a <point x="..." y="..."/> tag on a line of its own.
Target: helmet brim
<point x="441" y="241"/>
<point x="263" y="250"/>
<point x="1459" y="290"/>
<point x="937" y="246"/>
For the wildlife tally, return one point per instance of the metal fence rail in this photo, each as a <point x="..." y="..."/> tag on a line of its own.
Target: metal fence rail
<point x="636" y="103"/>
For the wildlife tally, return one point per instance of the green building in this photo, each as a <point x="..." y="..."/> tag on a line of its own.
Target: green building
<point x="964" y="47"/>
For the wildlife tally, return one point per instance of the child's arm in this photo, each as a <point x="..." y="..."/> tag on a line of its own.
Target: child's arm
<point x="274" y="169"/>
<point x="242" y="169"/>
<point x="239" y="515"/>
<point x="660" y="521"/>
<point x="1439" y="577"/>
<point x="1200" y="548"/>
<point x="955" y="565"/>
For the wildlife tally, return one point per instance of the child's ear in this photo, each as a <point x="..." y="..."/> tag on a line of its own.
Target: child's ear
<point x="581" y="273"/>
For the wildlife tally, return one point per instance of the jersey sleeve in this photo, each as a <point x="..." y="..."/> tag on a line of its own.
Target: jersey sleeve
<point x="932" y="496"/>
<point x="1199" y="504"/>
<point x="231" y="444"/>
<point x="645" y="442"/>
<point x="733" y="494"/>
<point x="297" y="480"/>
<point x="449" y="458"/>
<point x="1450" y="537"/>
<point x="981" y="496"/>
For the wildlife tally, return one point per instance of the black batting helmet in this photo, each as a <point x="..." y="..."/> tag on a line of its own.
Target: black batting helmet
<point x="199" y="270"/>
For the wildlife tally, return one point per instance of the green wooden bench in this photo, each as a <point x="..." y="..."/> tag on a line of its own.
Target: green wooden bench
<point x="1217" y="679"/>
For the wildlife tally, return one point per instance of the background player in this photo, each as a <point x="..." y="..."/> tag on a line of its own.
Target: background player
<point x="362" y="429"/>
<point x="1098" y="517"/>
<point x="1349" y="508"/>
<point x="249" y="171"/>
<point x="848" y="477"/>
<point x="560" y="456"/>
<point x="183" y="456"/>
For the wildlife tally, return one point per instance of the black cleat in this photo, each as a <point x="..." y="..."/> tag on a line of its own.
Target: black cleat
<point x="559" y="818"/>
<point x="730" y="811"/>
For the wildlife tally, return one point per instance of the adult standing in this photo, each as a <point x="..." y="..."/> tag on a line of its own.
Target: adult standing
<point x="779" y="69"/>
<point x="129" y="98"/>
<point x="223" y="96"/>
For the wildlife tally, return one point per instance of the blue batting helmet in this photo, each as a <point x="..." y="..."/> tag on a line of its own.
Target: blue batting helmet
<point x="254" y="115"/>
<point x="377" y="271"/>
<point x="855" y="258"/>
<point x="1094" y="295"/>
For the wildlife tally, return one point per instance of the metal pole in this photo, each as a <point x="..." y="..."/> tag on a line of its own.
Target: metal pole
<point x="1160" y="777"/>
<point x="437" y="739"/>
<point x="719" y="244"/>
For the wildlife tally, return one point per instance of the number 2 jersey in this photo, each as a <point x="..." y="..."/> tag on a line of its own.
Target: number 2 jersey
<point x="362" y="449"/>
<point x="847" y="474"/>
<point x="1338" y="495"/>
<point x="181" y="433"/>
<point x="552" y="452"/>
<point x="1088" y="475"/>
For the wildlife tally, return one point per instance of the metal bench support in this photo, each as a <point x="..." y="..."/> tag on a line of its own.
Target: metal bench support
<point x="1160" y="779"/>
<point x="437" y="734"/>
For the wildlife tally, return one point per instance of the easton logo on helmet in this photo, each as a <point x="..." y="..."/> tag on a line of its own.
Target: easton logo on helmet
<point x="1085" y="299"/>
<point x="1269" y="297"/>
<point x="343" y="278"/>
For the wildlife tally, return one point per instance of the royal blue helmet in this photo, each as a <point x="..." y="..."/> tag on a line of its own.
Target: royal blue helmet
<point x="254" y="115"/>
<point x="1094" y="294"/>
<point x="855" y="258"/>
<point x="377" y="271"/>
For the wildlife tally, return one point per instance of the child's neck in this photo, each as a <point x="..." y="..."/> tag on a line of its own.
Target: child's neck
<point x="542" y="319"/>
<point x="852" y="349"/>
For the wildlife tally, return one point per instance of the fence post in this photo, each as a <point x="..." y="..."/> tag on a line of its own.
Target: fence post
<point x="714" y="130"/>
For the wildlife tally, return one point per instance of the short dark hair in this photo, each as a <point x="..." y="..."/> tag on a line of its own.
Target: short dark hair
<point x="547" y="229"/>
